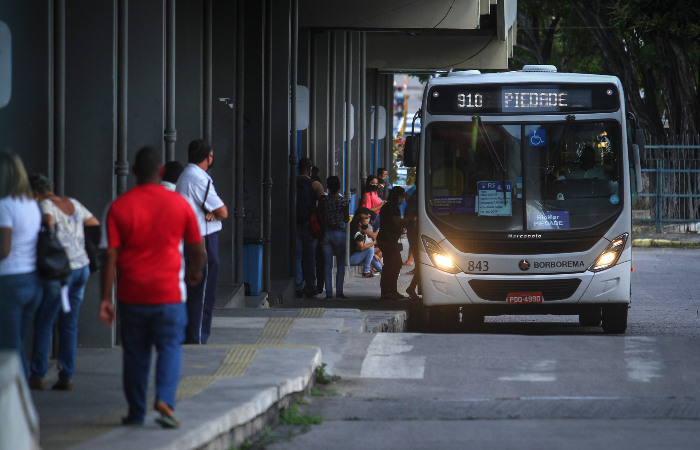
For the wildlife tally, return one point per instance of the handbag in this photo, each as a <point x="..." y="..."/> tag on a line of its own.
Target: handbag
<point x="51" y="258"/>
<point x="316" y="228"/>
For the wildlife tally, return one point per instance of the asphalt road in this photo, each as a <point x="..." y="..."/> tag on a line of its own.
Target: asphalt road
<point x="529" y="382"/>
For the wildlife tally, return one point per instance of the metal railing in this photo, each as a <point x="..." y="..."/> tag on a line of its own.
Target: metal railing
<point x="669" y="197"/>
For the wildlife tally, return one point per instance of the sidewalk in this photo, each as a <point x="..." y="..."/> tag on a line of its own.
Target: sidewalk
<point x="666" y="240"/>
<point x="256" y="362"/>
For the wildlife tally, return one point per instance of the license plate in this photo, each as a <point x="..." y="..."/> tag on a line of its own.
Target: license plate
<point x="524" y="298"/>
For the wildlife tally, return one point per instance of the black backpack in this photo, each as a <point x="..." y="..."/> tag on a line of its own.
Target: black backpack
<point x="306" y="202"/>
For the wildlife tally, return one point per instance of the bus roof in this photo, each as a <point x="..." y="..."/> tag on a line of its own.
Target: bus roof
<point x="524" y="77"/>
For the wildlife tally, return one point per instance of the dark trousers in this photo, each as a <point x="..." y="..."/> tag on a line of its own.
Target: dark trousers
<point x="392" y="267"/>
<point x="202" y="297"/>
<point x="414" y="242"/>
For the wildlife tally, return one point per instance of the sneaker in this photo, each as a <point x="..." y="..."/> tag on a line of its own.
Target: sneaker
<point x="63" y="385"/>
<point x="37" y="384"/>
<point x="341" y="296"/>
<point x="300" y="294"/>
<point x="310" y="294"/>
<point x="329" y="297"/>
<point x="368" y="275"/>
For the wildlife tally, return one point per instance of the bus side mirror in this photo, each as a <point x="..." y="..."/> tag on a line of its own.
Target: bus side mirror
<point x="410" y="151"/>
<point x="637" y="166"/>
<point x="639" y="140"/>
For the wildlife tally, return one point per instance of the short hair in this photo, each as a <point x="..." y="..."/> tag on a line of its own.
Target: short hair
<point x="395" y="193"/>
<point x="305" y="163"/>
<point x="173" y="170"/>
<point x="315" y="170"/>
<point x="198" y="151"/>
<point x="148" y="162"/>
<point x="333" y="183"/>
<point x="13" y="178"/>
<point x="40" y="183"/>
<point x="380" y="171"/>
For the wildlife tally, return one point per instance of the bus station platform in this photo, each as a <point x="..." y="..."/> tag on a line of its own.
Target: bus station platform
<point x="256" y="362"/>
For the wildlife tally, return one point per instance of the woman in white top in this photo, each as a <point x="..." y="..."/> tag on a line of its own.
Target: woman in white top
<point x="68" y="217"/>
<point x="20" y="221"/>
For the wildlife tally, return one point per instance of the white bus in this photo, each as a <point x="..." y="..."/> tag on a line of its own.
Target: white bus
<point x="525" y="184"/>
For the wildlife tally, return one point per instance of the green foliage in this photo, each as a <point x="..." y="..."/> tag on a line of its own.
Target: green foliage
<point x="667" y="19"/>
<point x="291" y="416"/>
<point x="302" y="401"/>
<point x="322" y="377"/>
<point x="331" y="393"/>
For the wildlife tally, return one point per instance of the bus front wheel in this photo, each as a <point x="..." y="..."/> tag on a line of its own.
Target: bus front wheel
<point x="443" y="320"/>
<point x="615" y="319"/>
<point x="590" y="317"/>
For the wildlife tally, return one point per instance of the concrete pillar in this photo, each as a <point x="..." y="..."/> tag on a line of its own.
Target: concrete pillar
<point x="170" y="132"/>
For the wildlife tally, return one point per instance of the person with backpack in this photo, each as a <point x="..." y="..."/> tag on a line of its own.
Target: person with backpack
<point x="309" y="191"/>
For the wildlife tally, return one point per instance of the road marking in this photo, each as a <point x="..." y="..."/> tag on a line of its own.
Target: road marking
<point x="311" y="313"/>
<point x="640" y="356"/>
<point x="384" y="359"/>
<point x="534" y="371"/>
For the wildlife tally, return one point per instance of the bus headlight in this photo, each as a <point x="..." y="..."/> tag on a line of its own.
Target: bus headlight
<point x="611" y="254"/>
<point x="438" y="257"/>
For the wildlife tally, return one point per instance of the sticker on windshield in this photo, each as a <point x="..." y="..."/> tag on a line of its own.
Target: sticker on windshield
<point x="448" y="205"/>
<point x="538" y="138"/>
<point x="548" y="220"/>
<point x="614" y="199"/>
<point x="493" y="201"/>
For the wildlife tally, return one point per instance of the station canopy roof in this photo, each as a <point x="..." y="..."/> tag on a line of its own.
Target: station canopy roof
<point x="422" y="34"/>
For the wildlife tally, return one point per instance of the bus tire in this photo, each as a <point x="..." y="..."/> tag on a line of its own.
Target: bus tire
<point x="590" y="317"/>
<point x="472" y="320"/>
<point x="615" y="319"/>
<point x="443" y="320"/>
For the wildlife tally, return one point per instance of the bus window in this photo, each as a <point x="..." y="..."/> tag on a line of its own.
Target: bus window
<point x="475" y="174"/>
<point x="571" y="180"/>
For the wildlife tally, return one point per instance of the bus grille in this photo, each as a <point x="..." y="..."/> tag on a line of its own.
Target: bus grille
<point x="498" y="290"/>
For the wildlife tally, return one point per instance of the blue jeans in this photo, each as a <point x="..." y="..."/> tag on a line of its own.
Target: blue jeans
<point x="306" y="259"/>
<point x="143" y="326"/>
<point x="334" y="244"/>
<point x="67" y="325"/>
<point x="19" y="297"/>
<point x="363" y="258"/>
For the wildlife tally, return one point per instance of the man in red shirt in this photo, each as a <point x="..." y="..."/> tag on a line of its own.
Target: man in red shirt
<point x="144" y="231"/>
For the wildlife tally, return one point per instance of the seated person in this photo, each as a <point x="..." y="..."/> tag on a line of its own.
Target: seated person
<point x="362" y="250"/>
<point x="586" y="166"/>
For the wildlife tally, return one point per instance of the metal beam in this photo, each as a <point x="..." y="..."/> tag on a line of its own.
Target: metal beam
<point x="389" y="153"/>
<point x="239" y="93"/>
<point x="170" y="134"/>
<point x="122" y="163"/>
<point x="207" y="71"/>
<point x="294" y="57"/>
<point x="363" y="113"/>
<point x="377" y="98"/>
<point x="333" y="84"/>
<point x="60" y="97"/>
<point x="311" y="131"/>
<point x="267" y="145"/>
<point x="348" y="112"/>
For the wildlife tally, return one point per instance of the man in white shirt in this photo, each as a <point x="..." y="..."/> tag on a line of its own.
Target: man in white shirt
<point x="197" y="186"/>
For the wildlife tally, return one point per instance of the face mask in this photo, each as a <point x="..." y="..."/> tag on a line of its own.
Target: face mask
<point x="364" y="226"/>
<point x="373" y="187"/>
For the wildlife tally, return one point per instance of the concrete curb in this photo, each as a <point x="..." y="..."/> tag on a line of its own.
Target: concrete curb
<point x="227" y="428"/>
<point x="395" y="323"/>
<point x="664" y="243"/>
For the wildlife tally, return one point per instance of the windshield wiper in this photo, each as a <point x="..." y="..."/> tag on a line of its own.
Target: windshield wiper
<point x="554" y="156"/>
<point x="492" y="151"/>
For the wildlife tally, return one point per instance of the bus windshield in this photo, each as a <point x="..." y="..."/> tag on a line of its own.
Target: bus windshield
<point x="490" y="176"/>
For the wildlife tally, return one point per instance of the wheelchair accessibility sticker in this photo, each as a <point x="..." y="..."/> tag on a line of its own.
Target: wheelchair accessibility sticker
<point x="538" y="138"/>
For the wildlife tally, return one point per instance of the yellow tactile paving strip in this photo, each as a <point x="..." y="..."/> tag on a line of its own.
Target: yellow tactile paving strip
<point x="311" y="313"/>
<point x="275" y="331"/>
<point x="233" y="365"/>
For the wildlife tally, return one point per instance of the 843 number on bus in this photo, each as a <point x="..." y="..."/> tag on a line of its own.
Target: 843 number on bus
<point x="478" y="266"/>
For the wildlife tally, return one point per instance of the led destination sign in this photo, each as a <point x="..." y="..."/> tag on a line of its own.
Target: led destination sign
<point x="523" y="99"/>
